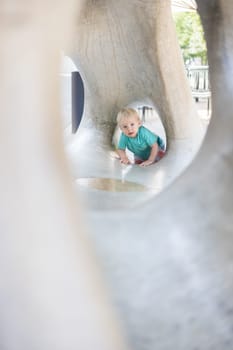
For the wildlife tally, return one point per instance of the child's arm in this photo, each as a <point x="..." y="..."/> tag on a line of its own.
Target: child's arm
<point x="153" y="154"/>
<point x="123" y="157"/>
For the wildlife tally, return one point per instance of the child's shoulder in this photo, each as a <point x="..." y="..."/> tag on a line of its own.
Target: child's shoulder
<point x="145" y="130"/>
<point x="142" y="128"/>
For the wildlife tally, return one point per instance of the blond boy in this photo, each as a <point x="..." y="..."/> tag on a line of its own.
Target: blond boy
<point x="146" y="146"/>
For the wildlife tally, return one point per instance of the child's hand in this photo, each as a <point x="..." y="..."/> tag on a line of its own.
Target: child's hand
<point x="125" y="160"/>
<point x="146" y="163"/>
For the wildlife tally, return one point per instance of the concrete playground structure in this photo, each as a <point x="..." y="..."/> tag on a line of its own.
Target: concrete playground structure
<point x="154" y="276"/>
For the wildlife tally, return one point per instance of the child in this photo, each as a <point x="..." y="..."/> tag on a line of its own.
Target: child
<point x="147" y="147"/>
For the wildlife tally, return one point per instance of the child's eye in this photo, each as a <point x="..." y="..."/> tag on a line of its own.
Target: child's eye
<point x="124" y="127"/>
<point x="132" y="124"/>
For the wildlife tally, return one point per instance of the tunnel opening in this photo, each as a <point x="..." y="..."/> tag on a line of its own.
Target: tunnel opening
<point x="72" y="94"/>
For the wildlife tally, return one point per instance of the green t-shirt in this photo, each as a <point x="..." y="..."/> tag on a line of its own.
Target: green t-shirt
<point x="142" y="143"/>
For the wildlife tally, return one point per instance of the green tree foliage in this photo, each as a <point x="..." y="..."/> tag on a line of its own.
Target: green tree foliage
<point x="190" y="36"/>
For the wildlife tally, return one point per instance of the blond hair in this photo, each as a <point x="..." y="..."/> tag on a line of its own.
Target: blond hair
<point x="126" y="113"/>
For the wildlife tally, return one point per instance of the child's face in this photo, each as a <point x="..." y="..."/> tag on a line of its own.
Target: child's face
<point x="129" y="126"/>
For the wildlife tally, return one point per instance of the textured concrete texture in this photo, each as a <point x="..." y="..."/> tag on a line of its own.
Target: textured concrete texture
<point x="168" y="265"/>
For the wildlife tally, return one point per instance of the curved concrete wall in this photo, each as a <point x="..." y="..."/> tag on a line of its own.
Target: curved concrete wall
<point x="170" y="262"/>
<point x="127" y="52"/>
<point x="47" y="300"/>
